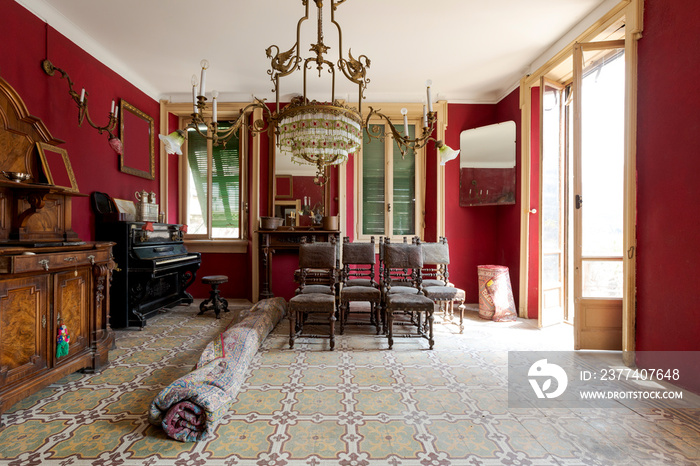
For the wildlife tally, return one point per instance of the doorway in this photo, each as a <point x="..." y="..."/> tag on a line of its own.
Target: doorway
<point x="582" y="153"/>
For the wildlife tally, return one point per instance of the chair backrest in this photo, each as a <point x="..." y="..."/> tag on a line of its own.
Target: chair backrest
<point x="436" y="253"/>
<point x="401" y="262"/>
<point x="358" y="253"/>
<point x="317" y="255"/>
<point x="321" y="257"/>
<point x="436" y="257"/>
<point x="358" y="260"/>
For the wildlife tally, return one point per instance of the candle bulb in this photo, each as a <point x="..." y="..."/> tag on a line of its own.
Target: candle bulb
<point x="404" y="112"/>
<point x="194" y="93"/>
<point x="430" y="100"/>
<point x="112" y="111"/>
<point x="82" y="95"/>
<point x="425" y="117"/>
<point x="203" y="80"/>
<point x="116" y="112"/>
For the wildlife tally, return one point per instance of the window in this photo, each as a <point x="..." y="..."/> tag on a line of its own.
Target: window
<point x="389" y="201"/>
<point x="211" y="198"/>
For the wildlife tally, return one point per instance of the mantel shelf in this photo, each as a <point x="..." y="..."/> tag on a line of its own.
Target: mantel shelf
<point x="39" y="187"/>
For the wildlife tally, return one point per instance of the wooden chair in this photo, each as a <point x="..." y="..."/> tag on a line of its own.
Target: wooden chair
<point x="404" y="262"/>
<point x="358" y="284"/>
<point x="436" y="285"/>
<point x="316" y="280"/>
<point x="319" y="257"/>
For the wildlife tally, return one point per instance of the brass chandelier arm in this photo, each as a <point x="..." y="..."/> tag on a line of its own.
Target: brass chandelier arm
<point x="285" y="63"/>
<point x="355" y="70"/>
<point x="256" y="127"/>
<point x="403" y="141"/>
<point x="83" y="112"/>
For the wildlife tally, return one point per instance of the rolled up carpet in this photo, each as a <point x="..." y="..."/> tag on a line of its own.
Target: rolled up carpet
<point x="190" y="408"/>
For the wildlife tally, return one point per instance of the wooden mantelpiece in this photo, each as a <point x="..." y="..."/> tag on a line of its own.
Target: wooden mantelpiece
<point x="48" y="276"/>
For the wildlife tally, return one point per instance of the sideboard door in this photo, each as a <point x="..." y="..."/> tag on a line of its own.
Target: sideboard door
<point x="71" y="308"/>
<point x="24" y="326"/>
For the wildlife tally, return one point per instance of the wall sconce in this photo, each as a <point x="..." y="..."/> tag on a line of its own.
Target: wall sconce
<point x="173" y="141"/>
<point x="445" y="152"/>
<point x="82" y="101"/>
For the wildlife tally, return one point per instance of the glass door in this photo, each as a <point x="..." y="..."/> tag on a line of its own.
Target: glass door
<point x="599" y="123"/>
<point x="552" y="207"/>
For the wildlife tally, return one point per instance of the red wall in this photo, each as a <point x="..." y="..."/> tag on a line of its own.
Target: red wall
<point x="668" y="214"/>
<point x="472" y="232"/>
<point x="481" y="235"/>
<point x="95" y="164"/>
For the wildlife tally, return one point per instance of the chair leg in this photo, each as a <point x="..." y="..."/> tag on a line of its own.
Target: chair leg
<point x="332" y="322"/>
<point x="344" y="311"/>
<point x="375" y="311"/>
<point x="430" y="318"/>
<point x="389" y="315"/>
<point x="292" y="327"/>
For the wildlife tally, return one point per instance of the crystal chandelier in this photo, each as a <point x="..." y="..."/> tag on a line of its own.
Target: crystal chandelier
<point x="312" y="132"/>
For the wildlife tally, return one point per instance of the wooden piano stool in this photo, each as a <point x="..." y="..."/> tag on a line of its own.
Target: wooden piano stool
<point x="215" y="301"/>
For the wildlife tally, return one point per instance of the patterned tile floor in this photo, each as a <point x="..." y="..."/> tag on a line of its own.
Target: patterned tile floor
<point x="359" y="405"/>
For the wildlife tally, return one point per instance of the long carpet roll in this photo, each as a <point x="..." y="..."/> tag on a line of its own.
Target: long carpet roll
<point x="190" y="408"/>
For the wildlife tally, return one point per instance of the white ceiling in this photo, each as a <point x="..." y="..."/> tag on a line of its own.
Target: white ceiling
<point x="475" y="51"/>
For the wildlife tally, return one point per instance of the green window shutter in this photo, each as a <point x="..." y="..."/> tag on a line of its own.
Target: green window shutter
<point x="197" y="158"/>
<point x="404" y="203"/>
<point x="226" y="184"/>
<point x="373" y="199"/>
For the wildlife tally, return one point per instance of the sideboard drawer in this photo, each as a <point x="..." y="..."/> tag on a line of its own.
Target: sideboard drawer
<point x="22" y="263"/>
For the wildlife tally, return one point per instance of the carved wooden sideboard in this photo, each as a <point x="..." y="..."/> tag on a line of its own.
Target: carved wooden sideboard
<point x="48" y="276"/>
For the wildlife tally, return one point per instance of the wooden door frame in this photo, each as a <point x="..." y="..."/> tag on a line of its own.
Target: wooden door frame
<point x="633" y="12"/>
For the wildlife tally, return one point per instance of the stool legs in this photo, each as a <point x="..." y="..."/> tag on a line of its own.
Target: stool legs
<point x="215" y="302"/>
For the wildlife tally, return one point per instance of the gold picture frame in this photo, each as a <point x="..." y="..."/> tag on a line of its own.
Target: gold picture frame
<point x="137" y="132"/>
<point x="57" y="167"/>
<point x="282" y="181"/>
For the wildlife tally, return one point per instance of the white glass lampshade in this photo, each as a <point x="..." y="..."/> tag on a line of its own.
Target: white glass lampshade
<point x="173" y="141"/>
<point x="446" y="153"/>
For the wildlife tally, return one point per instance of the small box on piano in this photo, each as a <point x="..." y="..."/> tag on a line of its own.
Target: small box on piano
<point x="148" y="212"/>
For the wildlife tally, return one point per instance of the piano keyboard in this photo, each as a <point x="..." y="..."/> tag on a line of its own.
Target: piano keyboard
<point x="175" y="259"/>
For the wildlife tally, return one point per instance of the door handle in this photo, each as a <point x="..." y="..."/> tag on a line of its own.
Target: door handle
<point x="579" y="201"/>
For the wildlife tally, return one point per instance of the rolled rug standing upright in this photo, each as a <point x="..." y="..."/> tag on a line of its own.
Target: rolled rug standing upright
<point x="496" y="294"/>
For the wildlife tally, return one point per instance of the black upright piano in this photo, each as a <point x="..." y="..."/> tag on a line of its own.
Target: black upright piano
<point x="153" y="270"/>
<point x="153" y="267"/>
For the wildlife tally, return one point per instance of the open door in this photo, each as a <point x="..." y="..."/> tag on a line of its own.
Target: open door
<point x="599" y="154"/>
<point x="552" y="207"/>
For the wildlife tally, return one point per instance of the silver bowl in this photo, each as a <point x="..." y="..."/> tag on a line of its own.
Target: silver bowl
<point x="17" y="176"/>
